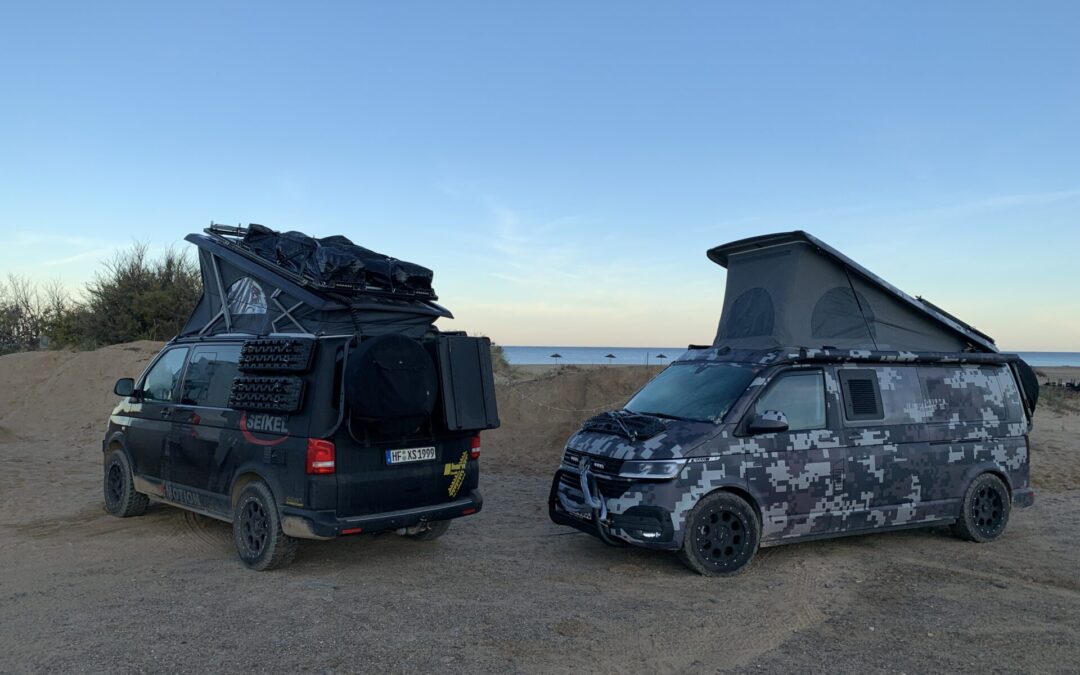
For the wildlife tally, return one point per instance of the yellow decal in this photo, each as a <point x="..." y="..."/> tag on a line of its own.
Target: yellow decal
<point x="457" y="470"/>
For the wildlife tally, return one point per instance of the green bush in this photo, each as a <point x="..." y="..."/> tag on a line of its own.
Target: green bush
<point x="135" y="297"/>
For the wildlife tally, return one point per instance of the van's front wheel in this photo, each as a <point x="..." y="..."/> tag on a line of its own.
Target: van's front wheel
<point x="984" y="512"/>
<point x="121" y="499"/>
<point x="257" y="530"/>
<point x="722" y="535"/>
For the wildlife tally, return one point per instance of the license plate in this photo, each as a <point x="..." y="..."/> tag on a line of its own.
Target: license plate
<point x="407" y="455"/>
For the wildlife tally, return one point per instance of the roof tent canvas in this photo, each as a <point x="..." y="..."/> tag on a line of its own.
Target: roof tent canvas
<point x="245" y="292"/>
<point x="792" y="290"/>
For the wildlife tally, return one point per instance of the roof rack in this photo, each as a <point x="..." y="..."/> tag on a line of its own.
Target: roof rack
<point x="232" y="236"/>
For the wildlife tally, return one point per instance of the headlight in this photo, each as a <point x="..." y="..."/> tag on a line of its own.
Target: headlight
<point x="659" y="470"/>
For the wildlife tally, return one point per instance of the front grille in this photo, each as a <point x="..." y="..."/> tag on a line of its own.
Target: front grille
<point x="600" y="465"/>
<point x="609" y="489"/>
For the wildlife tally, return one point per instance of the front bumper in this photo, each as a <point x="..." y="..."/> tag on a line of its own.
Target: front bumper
<point x="308" y="524"/>
<point x="641" y="524"/>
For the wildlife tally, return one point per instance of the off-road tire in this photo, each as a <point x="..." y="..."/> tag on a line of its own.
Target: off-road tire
<point x="121" y="499"/>
<point x="722" y="535"/>
<point x="434" y="530"/>
<point x="257" y="533"/>
<point x="984" y="511"/>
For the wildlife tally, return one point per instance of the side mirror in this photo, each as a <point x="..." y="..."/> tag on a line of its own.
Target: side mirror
<point x="768" y="422"/>
<point x="125" y="386"/>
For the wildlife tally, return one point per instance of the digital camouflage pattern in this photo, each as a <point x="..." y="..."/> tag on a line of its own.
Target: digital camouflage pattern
<point x="947" y="419"/>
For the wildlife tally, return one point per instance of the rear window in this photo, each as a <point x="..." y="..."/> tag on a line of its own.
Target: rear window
<point x="210" y="375"/>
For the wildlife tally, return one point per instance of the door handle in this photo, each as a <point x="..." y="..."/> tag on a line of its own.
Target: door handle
<point x="166" y="413"/>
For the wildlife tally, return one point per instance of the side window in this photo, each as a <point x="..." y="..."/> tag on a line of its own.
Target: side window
<point x="882" y="395"/>
<point x="160" y="383"/>
<point x="965" y="394"/>
<point x="862" y="394"/>
<point x="800" y="396"/>
<point x="1011" y="393"/>
<point x="210" y="375"/>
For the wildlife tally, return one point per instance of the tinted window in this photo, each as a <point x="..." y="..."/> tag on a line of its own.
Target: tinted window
<point x="899" y="391"/>
<point x="800" y="396"/>
<point x="160" y="382"/>
<point x="694" y="391"/>
<point x="967" y="394"/>
<point x="210" y="375"/>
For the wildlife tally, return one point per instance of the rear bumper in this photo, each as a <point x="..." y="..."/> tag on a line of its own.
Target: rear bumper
<point x="1023" y="498"/>
<point x="307" y="524"/>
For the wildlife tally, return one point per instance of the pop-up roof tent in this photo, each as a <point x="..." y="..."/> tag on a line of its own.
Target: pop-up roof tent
<point x="260" y="282"/>
<point x="791" y="290"/>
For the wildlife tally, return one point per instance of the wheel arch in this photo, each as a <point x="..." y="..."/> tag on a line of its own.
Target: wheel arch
<point x="243" y="478"/>
<point x="987" y="467"/>
<point x="682" y="524"/>
<point x="742" y="493"/>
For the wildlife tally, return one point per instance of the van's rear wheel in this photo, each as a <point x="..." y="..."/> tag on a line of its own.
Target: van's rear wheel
<point x="722" y="535"/>
<point x="257" y="530"/>
<point x="432" y="531"/>
<point x="121" y="499"/>
<point x="984" y="512"/>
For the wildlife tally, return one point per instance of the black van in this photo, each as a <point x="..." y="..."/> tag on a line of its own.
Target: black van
<point x="830" y="404"/>
<point x="310" y="396"/>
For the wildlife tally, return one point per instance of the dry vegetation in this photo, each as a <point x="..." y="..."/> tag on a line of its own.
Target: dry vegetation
<point x="134" y="297"/>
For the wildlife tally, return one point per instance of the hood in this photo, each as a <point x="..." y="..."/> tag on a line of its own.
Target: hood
<point x="659" y="439"/>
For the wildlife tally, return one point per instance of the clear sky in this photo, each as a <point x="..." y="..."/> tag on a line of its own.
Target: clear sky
<point x="563" y="166"/>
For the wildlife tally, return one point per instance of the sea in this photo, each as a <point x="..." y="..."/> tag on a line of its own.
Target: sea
<point x="653" y="356"/>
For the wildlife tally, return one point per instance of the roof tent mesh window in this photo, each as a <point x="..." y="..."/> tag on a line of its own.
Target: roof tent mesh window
<point x="752" y="315"/>
<point x="841" y="313"/>
<point x="246" y="296"/>
<point x="862" y="395"/>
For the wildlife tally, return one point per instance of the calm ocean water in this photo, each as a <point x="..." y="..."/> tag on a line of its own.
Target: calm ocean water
<point x="660" y="355"/>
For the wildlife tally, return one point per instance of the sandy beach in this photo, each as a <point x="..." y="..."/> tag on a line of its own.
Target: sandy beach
<point x="505" y="591"/>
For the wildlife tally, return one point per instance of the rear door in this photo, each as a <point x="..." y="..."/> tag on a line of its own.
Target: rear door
<point x="389" y="476"/>
<point x="893" y="473"/>
<point x="152" y="409"/>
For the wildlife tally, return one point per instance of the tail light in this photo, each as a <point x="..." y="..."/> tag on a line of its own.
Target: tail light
<point x="320" y="456"/>
<point x="474" y="447"/>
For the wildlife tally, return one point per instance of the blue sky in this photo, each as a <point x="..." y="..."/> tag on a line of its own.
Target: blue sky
<point x="564" y="166"/>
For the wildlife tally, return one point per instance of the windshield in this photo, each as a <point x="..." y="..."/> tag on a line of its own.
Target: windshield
<point x="701" y="392"/>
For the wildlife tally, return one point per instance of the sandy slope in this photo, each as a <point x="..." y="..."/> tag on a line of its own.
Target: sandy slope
<point x="505" y="590"/>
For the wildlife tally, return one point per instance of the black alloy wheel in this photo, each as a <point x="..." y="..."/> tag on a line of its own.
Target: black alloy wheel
<point x="121" y="498"/>
<point x="984" y="511"/>
<point x="722" y="535"/>
<point x="257" y="533"/>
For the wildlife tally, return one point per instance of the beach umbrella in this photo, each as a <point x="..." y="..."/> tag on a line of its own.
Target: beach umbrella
<point x="660" y="356"/>
<point x="609" y="357"/>
<point x="556" y="356"/>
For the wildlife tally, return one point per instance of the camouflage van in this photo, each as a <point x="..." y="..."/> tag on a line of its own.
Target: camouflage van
<point x="829" y="404"/>
<point x="309" y="396"/>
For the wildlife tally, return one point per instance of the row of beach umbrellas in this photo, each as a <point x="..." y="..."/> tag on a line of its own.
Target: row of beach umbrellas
<point x="611" y="357"/>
